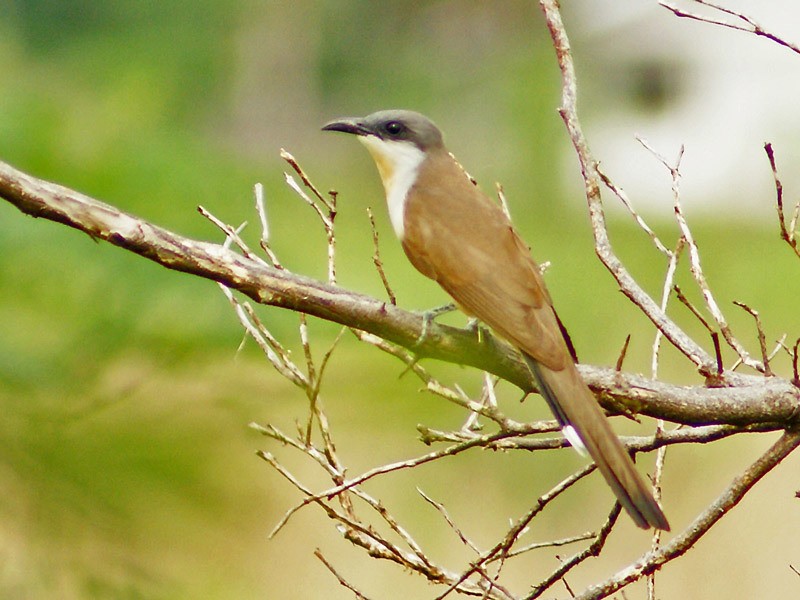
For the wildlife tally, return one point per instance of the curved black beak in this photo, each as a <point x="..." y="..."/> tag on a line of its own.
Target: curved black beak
<point x="348" y="125"/>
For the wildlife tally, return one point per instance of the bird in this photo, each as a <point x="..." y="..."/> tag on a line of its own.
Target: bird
<point x="454" y="234"/>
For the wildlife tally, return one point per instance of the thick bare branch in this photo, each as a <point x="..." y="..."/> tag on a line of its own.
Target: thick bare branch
<point x="255" y="278"/>
<point x="749" y="399"/>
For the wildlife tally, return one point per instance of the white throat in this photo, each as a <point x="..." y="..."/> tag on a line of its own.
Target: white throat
<point x="398" y="164"/>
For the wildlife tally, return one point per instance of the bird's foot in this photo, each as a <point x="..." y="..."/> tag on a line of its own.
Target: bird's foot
<point x="429" y="316"/>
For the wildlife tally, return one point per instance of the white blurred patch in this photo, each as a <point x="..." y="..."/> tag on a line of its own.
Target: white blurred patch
<point x="720" y="93"/>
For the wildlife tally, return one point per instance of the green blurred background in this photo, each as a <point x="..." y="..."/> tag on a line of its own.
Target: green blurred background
<point x="127" y="468"/>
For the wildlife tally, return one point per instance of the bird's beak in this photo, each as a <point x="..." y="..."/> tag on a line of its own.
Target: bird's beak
<point x="349" y="125"/>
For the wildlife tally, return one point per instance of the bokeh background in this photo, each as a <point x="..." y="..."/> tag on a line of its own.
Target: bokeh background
<point x="127" y="468"/>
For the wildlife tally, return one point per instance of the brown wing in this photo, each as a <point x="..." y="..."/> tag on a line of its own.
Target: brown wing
<point x="464" y="241"/>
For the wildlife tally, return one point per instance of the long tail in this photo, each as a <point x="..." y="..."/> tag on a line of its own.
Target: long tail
<point x="573" y="404"/>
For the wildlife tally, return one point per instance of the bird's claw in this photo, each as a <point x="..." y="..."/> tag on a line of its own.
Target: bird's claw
<point x="428" y="317"/>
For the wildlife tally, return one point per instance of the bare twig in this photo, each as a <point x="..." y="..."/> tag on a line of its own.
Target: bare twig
<point x="717" y="377"/>
<point x="307" y="182"/>
<point x="661" y="454"/>
<point x="581" y="537"/>
<point x="626" y="202"/>
<point x="276" y="354"/>
<point x="261" y="211"/>
<point x="669" y="278"/>
<point x="231" y="234"/>
<point x="592" y="550"/>
<point x="339" y="578"/>
<point x="488" y="398"/>
<point x="326" y="212"/>
<point x="661" y="458"/>
<point x="750" y="25"/>
<point x="500" y="550"/>
<point x="376" y="259"/>
<point x="692" y="308"/>
<point x="375" y="472"/>
<point x="694" y="261"/>
<point x="377" y="544"/>
<point x="622" y="353"/>
<point x="366" y="537"/>
<point x="762" y="340"/>
<point x="448" y="519"/>
<point x="788" y="232"/>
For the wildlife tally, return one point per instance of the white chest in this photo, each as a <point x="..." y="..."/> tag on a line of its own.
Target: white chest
<point x="398" y="164"/>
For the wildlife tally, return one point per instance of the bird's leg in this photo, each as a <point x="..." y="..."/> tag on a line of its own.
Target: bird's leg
<point x="474" y="326"/>
<point x="428" y="318"/>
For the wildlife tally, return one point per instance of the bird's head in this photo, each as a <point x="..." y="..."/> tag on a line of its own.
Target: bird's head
<point x="399" y="140"/>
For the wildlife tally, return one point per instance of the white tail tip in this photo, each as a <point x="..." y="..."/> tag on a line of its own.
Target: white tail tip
<point x="574" y="439"/>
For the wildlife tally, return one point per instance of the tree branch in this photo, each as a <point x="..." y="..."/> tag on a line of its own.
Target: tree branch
<point x="750" y="399"/>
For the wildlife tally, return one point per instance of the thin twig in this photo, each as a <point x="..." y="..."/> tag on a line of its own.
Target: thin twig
<point x="788" y="233"/>
<point x="376" y="259"/>
<point x="795" y="360"/>
<point x="694" y="260"/>
<point x="661" y="453"/>
<point x="751" y="26"/>
<point x="312" y="390"/>
<point x="377" y="471"/>
<point x="593" y="549"/>
<point x="306" y="181"/>
<point x="448" y="519"/>
<point x="326" y="212"/>
<point x="716" y="377"/>
<point x="276" y="354"/>
<point x="626" y="202"/>
<point x="339" y="578"/>
<point x="669" y="278"/>
<point x="762" y="339"/>
<point x="581" y="537"/>
<point x="261" y="211"/>
<point x="622" y="354"/>
<point x="687" y="303"/>
<point x="231" y="234"/>
<point x="500" y="550"/>
<point x="488" y="398"/>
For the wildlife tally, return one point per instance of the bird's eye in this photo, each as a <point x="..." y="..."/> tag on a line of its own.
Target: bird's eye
<point x="394" y="127"/>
